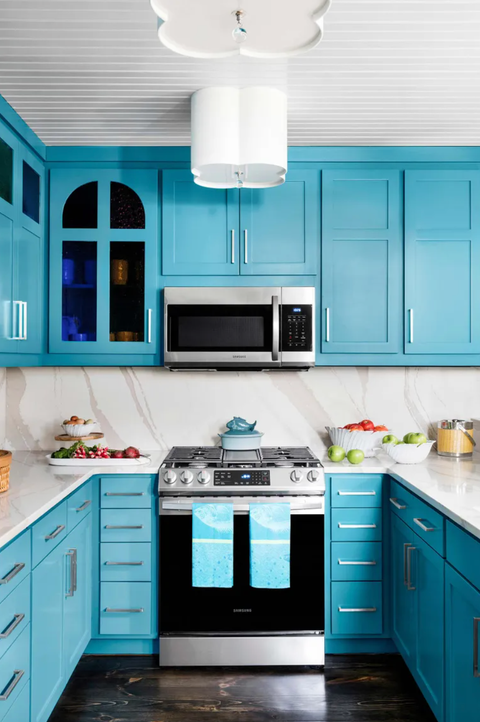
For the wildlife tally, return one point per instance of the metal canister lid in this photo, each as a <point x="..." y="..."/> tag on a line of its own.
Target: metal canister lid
<point x="455" y="424"/>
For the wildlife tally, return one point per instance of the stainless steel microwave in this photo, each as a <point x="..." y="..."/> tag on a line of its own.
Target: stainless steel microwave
<point x="232" y="328"/>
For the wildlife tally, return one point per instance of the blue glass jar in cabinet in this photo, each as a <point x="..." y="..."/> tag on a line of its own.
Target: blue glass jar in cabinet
<point x="103" y="261"/>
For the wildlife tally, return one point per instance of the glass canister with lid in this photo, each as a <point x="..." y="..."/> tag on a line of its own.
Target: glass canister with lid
<point x="455" y="438"/>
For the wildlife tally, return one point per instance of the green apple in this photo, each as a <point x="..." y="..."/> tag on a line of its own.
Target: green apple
<point x="355" y="456"/>
<point x="389" y="439"/>
<point x="336" y="453"/>
<point x="416" y="438"/>
<point x="406" y="438"/>
<point x="400" y="442"/>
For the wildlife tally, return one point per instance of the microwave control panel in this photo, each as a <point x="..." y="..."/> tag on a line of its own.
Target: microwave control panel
<point x="297" y="328"/>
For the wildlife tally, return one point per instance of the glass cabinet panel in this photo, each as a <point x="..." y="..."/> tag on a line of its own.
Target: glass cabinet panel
<point x="31" y="193"/>
<point x="81" y="207"/>
<point x="79" y="291"/>
<point x="126" y="208"/>
<point x="6" y="171"/>
<point x="127" y="291"/>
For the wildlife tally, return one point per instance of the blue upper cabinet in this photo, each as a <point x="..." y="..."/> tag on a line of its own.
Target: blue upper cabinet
<point x="442" y="262"/>
<point x="103" y="261"/>
<point x="361" y="260"/>
<point x="200" y="228"/>
<point x="280" y="227"/>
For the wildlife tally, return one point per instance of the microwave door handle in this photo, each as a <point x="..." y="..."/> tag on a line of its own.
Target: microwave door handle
<point x="275" y="328"/>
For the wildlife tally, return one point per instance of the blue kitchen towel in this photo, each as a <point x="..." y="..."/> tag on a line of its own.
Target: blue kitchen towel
<point x="212" y="545"/>
<point x="270" y="546"/>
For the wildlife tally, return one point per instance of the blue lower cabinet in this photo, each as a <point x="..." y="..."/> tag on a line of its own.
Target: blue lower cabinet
<point x="357" y="490"/>
<point x="14" y="615"/>
<point x="79" y="505"/>
<point x="352" y="562"/>
<point x="20" y="708"/>
<point x="48" y="532"/>
<point x="77" y="612"/>
<point x="126" y="562"/>
<point x="357" y="524"/>
<point x="357" y="608"/>
<point x="15" y="564"/>
<point x="402" y="596"/>
<point x="125" y="525"/>
<point x="14" y="672"/>
<point x="462" y="649"/>
<point x="126" y="608"/>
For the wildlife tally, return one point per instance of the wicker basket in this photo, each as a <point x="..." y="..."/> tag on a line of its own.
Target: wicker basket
<point x="5" y="461"/>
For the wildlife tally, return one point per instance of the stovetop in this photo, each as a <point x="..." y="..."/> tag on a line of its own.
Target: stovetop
<point x="200" y="457"/>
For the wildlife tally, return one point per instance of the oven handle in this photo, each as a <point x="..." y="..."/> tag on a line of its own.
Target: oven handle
<point x="187" y="506"/>
<point x="275" y="328"/>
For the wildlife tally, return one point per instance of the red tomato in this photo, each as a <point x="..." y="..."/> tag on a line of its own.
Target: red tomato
<point x="367" y="425"/>
<point x="381" y="428"/>
<point x="356" y="427"/>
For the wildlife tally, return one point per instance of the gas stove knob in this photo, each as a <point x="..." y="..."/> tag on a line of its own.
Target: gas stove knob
<point x="296" y="476"/>
<point x="186" y="477"/>
<point x="203" y="477"/>
<point x="313" y="475"/>
<point x="169" y="477"/>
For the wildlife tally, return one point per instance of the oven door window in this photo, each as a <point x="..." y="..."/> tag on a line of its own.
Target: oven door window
<point x="219" y="328"/>
<point x="241" y="609"/>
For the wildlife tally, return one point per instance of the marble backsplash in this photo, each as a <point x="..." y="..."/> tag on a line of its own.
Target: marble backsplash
<point x="156" y="409"/>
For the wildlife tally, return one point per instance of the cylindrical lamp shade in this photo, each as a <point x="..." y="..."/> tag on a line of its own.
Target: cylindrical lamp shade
<point x="239" y="137"/>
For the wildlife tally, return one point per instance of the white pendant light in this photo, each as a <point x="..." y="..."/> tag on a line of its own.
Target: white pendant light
<point x="239" y="137"/>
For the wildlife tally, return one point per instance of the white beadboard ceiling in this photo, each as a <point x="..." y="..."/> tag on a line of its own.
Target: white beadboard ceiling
<point x="388" y="72"/>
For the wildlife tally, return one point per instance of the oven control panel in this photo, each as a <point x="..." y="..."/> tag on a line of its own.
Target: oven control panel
<point x="241" y="477"/>
<point x="297" y="328"/>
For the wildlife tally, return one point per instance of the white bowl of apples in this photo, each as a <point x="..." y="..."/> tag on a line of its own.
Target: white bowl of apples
<point x="364" y="435"/>
<point x="414" y="448"/>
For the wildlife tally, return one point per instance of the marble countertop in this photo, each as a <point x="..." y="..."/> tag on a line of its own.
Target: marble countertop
<point x="452" y="487"/>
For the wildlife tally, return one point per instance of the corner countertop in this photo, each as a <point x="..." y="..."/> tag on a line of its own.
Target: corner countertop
<point x="452" y="487"/>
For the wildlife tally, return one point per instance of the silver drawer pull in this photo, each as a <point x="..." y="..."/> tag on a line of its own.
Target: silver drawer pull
<point x="356" y="526"/>
<point x="17" y="619"/>
<point x="124" y="611"/>
<point x="360" y="609"/>
<point x="476" y="621"/>
<point x="110" y="526"/>
<point x="55" y="533"/>
<point x="17" y="676"/>
<point x="356" y="564"/>
<point x="130" y="493"/>
<point x="394" y="501"/>
<point x="419" y="523"/>
<point x="16" y="570"/>
<point x="123" y="564"/>
<point x="357" y="493"/>
<point x="84" y="505"/>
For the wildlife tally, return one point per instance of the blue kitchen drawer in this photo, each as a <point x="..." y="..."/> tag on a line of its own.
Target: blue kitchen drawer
<point x="79" y="505"/>
<point x="357" y="608"/>
<point x="15" y="564"/>
<point x="357" y="524"/>
<point x="126" y="608"/>
<point x="14" y="671"/>
<point x="126" y="492"/>
<point x="20" y="709"/>
<point x="425" y="521"/>
<point x="463" y="553"/>
<point x="126" y="525"/>
<point x="48" y="532"/>
<point x="350" y="490"/>
<point x="120" y="562"/>
<point x="14" y="615"/>
<point x="356" y="562"/>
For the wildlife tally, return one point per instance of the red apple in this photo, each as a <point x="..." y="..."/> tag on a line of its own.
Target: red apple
<point x="367" y="425"/>
<point x="381" y="427"/>
<point x="356" y="427"/>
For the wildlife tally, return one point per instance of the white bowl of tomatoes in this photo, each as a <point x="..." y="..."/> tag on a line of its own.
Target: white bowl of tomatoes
<point x="365" y="436"/>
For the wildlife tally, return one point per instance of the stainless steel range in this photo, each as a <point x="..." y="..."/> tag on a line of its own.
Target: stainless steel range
<point x="241" y="625"/>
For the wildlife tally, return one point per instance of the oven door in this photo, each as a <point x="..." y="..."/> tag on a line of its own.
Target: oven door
<point x="222" y="327"/>
<point x="242" y="609"/>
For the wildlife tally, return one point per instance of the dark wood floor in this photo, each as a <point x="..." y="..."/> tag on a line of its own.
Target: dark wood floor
<point x="134" y="689"/>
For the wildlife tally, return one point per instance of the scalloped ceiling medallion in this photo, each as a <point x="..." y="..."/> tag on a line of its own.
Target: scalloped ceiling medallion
<point x="254" y="28"/>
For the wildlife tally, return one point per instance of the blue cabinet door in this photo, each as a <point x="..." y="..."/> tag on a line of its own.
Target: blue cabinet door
<point x="200" y="227"/>
<point x="462" y="653"/>
<point x="280" y="227"/>
<point x="48" y="669"/>
<point x="442" y="262"/>
<point x="361" y="261"/>
<point x="9" y="185"/>
<point x="402" y="595"/>
<point x="77" y="624"/>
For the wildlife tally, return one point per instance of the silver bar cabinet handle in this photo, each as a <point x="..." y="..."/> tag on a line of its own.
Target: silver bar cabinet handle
<point x="72" y="553"/>
<point x="476" y="672"/>
<point x="124" y="611"/>
<point x="24" y="336"/>
<point x="357" y="493"/>
<point x="419" y="523"/>
<point x="16" y="570"/>
<point x="410" y="586"/>
<point x="17" y="676"/>
<point x="84" y="505"/>
<point x="233" y="245"/>
<point x="245" y="248"/>
<point x="405" y="547"/>
<point x="356" y="526"/>
<point x="275" y="328"/>
<point x="395" y="503"/>
<point x="149" y="325"/>
<point x="55" y="533"/>
<point x="356" y="564"/>
<point x="327" y="325"/>
<point x="123" y="564"/>
<point x="110" y="526"/>
<point x="130" y="493"/>
<point x="17" y="316"/>
<point x="17" y="619"/>
<point x="410" y="316"/>
<point x="359" y="609"/>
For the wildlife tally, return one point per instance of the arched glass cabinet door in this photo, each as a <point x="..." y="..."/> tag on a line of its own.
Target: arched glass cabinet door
<point x="103" y="262"/>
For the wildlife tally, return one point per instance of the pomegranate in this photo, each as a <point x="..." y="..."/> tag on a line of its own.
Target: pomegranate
<point x="131" y="453"/>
